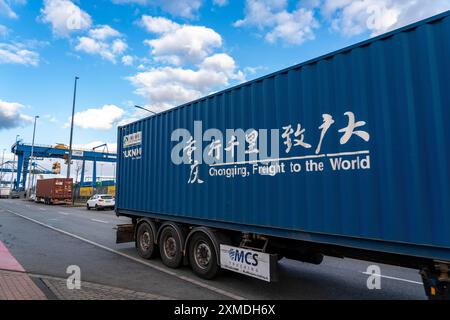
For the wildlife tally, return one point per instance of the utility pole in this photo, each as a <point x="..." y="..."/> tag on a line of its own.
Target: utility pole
<point x="71" y="127"/>
<point x="32" y="155"/>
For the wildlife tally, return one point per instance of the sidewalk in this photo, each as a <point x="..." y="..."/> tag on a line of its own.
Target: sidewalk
<point x="15" y="284"/>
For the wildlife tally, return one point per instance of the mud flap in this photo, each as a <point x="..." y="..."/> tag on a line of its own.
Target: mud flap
<point x="124" y="233"/>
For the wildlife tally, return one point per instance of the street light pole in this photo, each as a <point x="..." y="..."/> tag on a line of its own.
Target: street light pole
<point x="32" y="155"/>
<point x="142" y="108"/>
<point x="71" y="128"/>
<point x="13" y="164"/>
<point x="3" y="166"/>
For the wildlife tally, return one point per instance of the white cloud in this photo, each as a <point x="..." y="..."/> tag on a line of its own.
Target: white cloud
<point x="128" y="60"/>
<point x="180" y="44"/>
<point x="273" y="18"/>
<point x="378" y="16"/>
<point x="169" y="86"/>
<point x="103" y="32"/>
<point x="220" y="3"/>
<point x="136" y="115"/>
<point x="18" y="53"/>
<point x="253" y="70"/>
<point x="50" y="118"/>
<point x="177" y="8"/>
<point x="4" y="31"/>
<point x="101" y="41"/>
<point x="126" y="121"/>
<point x="348" y="17"/>
<point x="6" y="8"/>
<point x="101" y="119"/>
<point x="181" y="8"/>
<point x="65" y="17"/>
<point x="190" y="66"/>
<point x="89" y="45"/>
<point x="159" y="25"/>
<point x="119" y="46"/>
<point x="11" y="116"/>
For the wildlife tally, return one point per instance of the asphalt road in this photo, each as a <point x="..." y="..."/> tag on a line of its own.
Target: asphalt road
<point x="47" y="239"/>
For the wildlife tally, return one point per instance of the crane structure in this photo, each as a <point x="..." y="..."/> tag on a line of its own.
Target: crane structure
<point x="23" y="153"/>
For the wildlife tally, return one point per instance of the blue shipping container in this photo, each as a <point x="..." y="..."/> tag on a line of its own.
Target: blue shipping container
<point x="359" y="141"/>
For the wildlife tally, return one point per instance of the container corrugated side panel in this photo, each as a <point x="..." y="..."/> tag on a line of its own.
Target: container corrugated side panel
<point x="398" y="85"/>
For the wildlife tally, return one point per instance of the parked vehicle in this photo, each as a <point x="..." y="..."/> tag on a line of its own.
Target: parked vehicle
<point x="54" y="191"/>
<point x="15" y="195"/>
<point x="346" y="155"/>
<point x="5" y="192"/>
<point x="101" y="202"/>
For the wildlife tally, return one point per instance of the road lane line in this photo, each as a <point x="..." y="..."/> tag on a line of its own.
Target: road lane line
<point x="148" y="264"/>
<point x="101" y="221"/>
<point x="42" y="209"/>
<point x="389" y="277"/>
<point x="64" y="213"/>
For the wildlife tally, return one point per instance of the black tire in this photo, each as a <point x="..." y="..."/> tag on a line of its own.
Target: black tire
<point x="97" y="208"/>
<point x="87" y="207"/>
<point x="170" y="247"/>
<point x="145" y="241"/>
<point x="203" y="256"/>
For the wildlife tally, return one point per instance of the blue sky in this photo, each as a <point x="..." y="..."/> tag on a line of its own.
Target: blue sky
<point x="159" y="53"/>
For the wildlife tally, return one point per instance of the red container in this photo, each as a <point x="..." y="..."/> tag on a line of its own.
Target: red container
<point x="54" y="191"/>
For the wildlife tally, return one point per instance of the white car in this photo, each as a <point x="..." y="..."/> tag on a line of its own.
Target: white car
<point x="101" y="201"/>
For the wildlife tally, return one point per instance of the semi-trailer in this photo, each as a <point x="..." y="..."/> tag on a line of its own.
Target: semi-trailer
<point x="54" y="191"/>
<point x="345" y="155"/>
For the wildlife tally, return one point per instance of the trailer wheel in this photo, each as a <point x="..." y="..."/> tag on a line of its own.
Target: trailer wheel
<point x="145" y="241"/>
<point x="170" y="247"/>
<point x="203" y="256"/>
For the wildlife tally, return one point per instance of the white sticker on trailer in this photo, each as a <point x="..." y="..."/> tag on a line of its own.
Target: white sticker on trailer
<point x="133" y="139"/>
<point x="252" y="263"/>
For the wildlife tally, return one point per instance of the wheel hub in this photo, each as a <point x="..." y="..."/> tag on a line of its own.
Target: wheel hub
<point x="202" y="255"/>
<point x="170" y="247"/>
<point x="145" y="240"/>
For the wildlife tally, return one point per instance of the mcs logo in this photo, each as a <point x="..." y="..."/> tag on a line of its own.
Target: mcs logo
<point x="243" y="257"/>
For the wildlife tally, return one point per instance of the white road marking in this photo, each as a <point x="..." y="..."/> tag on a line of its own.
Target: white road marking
<point x="63" y="213"/>
<point x="42" y="209"/>
<point x="148" y="264"/>
<point x="392" y="278"/>
<point x="101" y="221"/>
